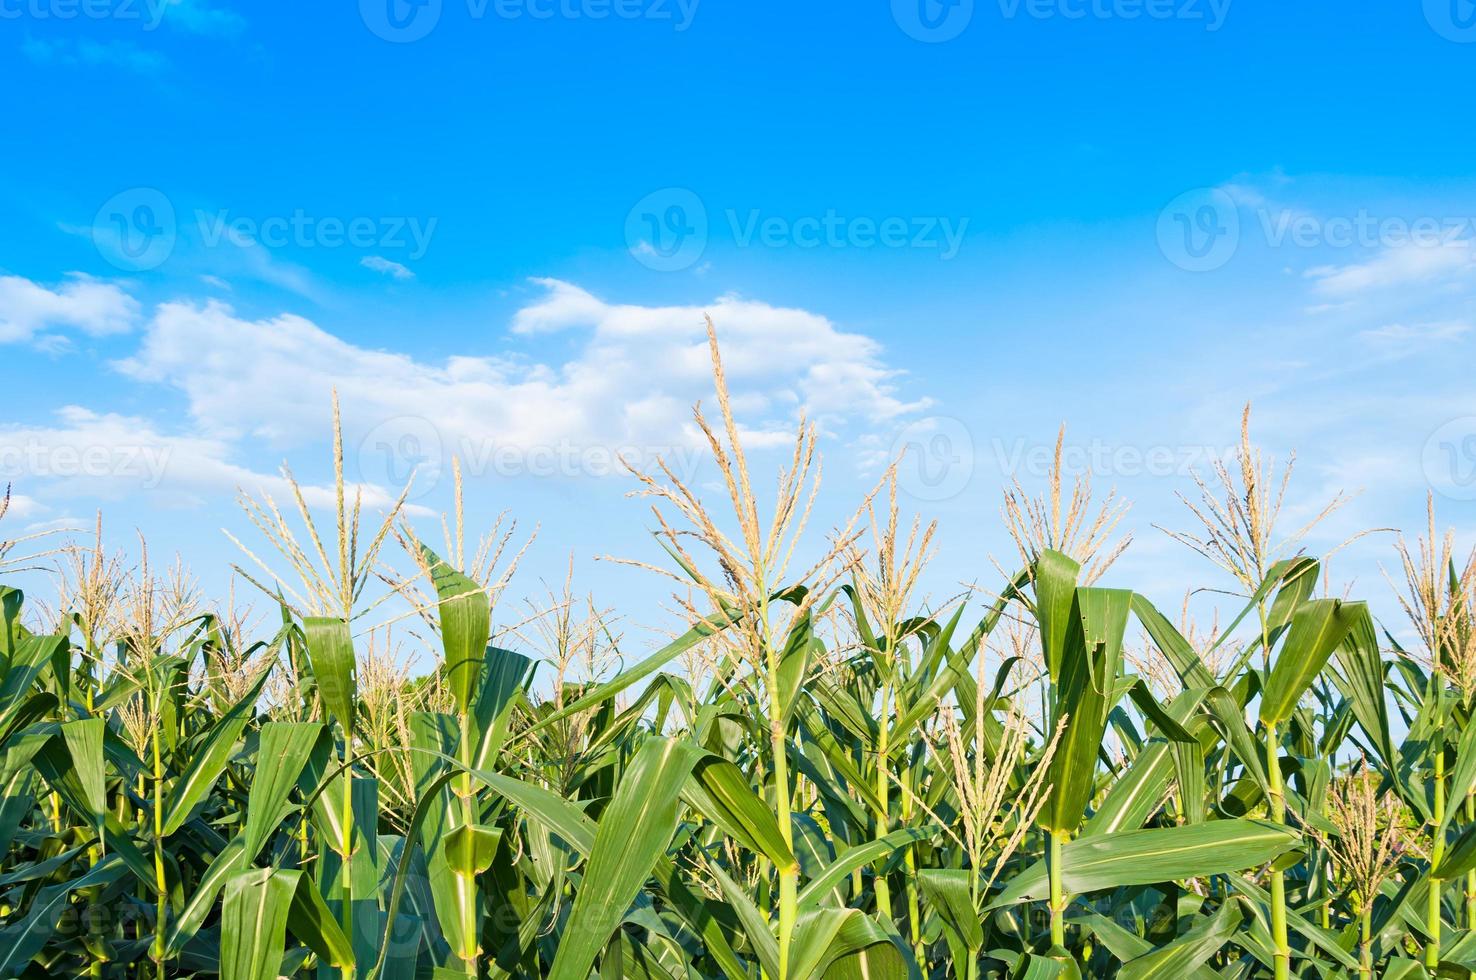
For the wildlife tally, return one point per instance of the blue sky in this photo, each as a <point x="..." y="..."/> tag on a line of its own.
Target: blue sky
<point x="495" y="227"/>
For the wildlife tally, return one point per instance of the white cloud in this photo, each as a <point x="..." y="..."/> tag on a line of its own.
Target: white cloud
<point x="81" y="302"/>
<point x="381" y="264"/>
<point x="89" y="53"/>
<point x="199" y="17"/>
<point x="627" y="386"/>
<point x="817" y="367"/>
<point x="1409" y="337"/>
<point x="1396" y="266"/>
<point x="109" y="456"/>
<point x="18" y="505"/>
<point x="623" y="388"/>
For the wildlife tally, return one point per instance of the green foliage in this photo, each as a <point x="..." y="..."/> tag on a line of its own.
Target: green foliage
<point x="833" y="794"/>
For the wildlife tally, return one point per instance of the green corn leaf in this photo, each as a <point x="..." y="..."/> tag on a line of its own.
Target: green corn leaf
<point x="859" y="856"/>
<point x="947" y="891"/>
<point x="1170" y="726"/>
<point x="466" y="625"/>
<point x="227" y="863"/>
<point x="1138" y="792"/>
<point x="281" y="755"/>
<point x="210" y="759"/>
<point x="633" y="832"/>
<point x="1317" y="627"/>
<point x="1362" y="681"/>
<point x="751" y="922"/>
<point x="1330" y="943"/>
<point x="926" y="703"/>
<point x="469" y="848"/>
<point x="253" y="925"/>
<point x="604" y="692"/>
<point x="824" y="937"/>
<point x="84" y="742"/>
<point x="1147" y="857"/>
<point x="71" y="760"/>
<point x="1185" y="955"/>
<point x="1055" y="600"/>
<point x="311" y="921"/>
<point x="26" y="937"/>
<point x="549" y="809"/>
<point x="1084" y="694"/>
<point x="1229" y="717"/>
<point x="1459" y="857"/>
<point x="1295" y="580"/>
<point x="794" y="666"/>
<point x="504" y="676"/>
<point x="720" y="791"/>
<point x="31" y="658"/>
<point x="1171" y="642"/>
<point x="11" y="601"/>
<point x="330" y="650"/>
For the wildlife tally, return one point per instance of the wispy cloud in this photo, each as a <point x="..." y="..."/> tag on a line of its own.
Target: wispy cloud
<point x="381" y="264"/>
<point x="1404" y="265"/>
<point x="83" y="52"/>
<point x="201" y="17"/>
<point x="1417" y="335"/>
<point x="245" y="256"/>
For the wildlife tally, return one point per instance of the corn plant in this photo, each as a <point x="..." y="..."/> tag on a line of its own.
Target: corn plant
<point x="382" y="770"/>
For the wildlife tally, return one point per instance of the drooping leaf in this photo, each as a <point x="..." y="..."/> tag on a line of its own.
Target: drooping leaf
<point x="1146" y="857"/>
<point x="720" y="791"/>
<point x="1183" y="956"/>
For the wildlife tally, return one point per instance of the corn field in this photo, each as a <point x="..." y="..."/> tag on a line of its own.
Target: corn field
<point x="824" y="775"/>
